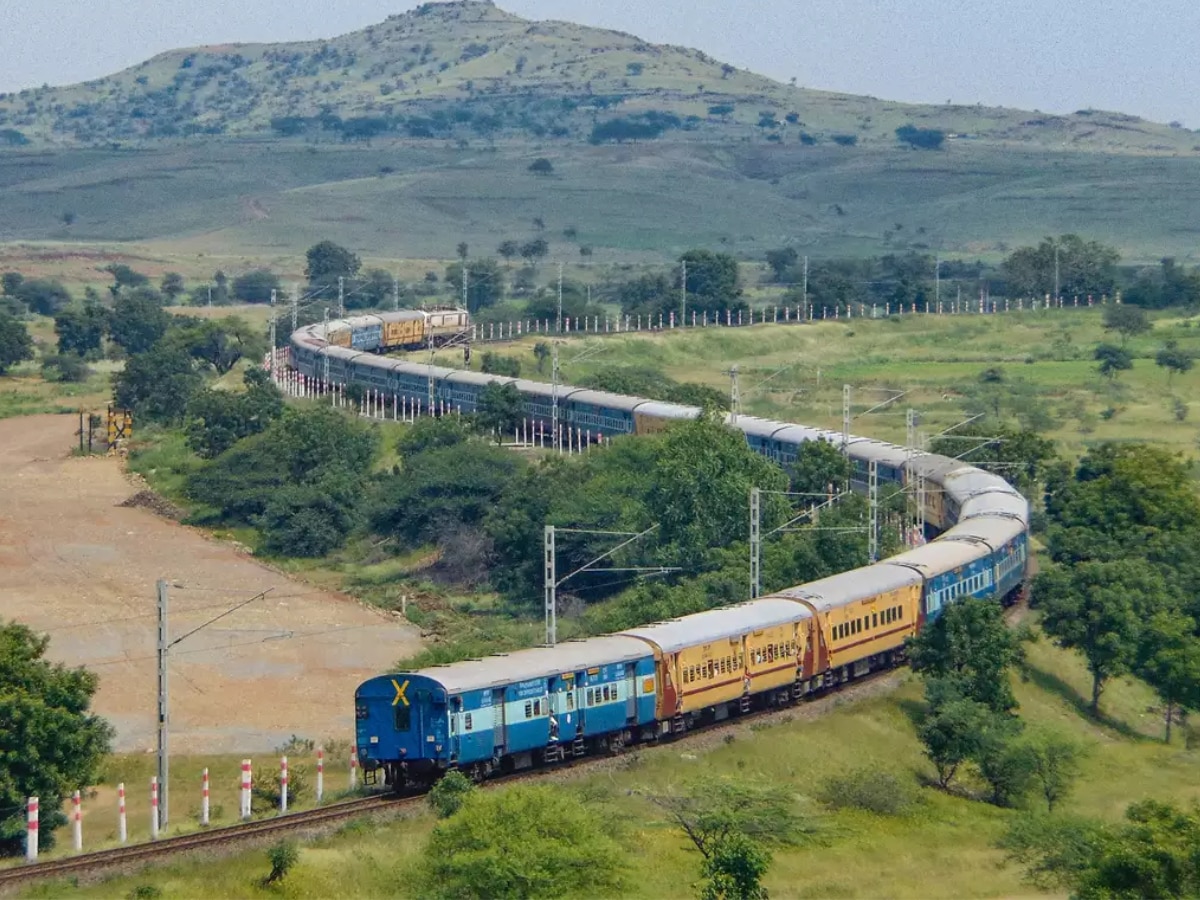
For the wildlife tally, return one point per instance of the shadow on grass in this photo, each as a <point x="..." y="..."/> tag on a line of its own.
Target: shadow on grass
<point x="1052" y="684"/>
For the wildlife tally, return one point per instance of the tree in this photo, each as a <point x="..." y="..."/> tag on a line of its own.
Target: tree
<point x="524" y="842"/>
<point x="541" y="166"/>
<point x="1174" y="359"/>
<point x="463" y="249"/>
<point x="712" y="282"/>
<point x="1055" y="758"/>
<point x="124" y="277"/>
<point x="509" y="249"/>
<point x="781" y="262"/>
<point x="219" y="343"/>
<point x="1070" y="264"/>
<point x="1098" y="609"/>
<point x="327" y="261"/>
<point x="735" y="870"/>
<point x="216" y="419"/>
<point x="1151" y="854"/>
<point x="955" y="729"/>
<point x="158" y="384"/>
<point x="15" y="344"/>
<point x="67" y="368"/>
<point x="432" y="434"/>
<point x="81" y="330"/>
<point x="533" y="250"/>
<point x="43" y="296"/>
<point x="921" y="138"/>
<point x="43" y="705"/>
<point x="711" y="809"/>
<point x="541" y="352"/>
<point x="283" y="857"/>
<point x="970" y="648"/>
<point x="819" y="468"/>
<point x="312" y="519"/>
<point x="1020" y="455"/>
<point x="172" y="286"/>
<point x="137" y="322"/>
<point x="450" y="793"/>
<point x="501" y="409"/>
<point x="485" y="282"/>
<point x="1112" y="359"/>
<point x="1170" y="663"/>
<point x="1128" y="321"/>
<point x="255" y="286"/>
<point x="10" y="282"/>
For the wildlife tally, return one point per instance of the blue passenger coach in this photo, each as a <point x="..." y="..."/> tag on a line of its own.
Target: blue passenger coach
<point x="517" y="709"/>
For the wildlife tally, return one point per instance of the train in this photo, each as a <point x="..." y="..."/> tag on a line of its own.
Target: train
<point x="407" y="329"/>
<point x="547" y="704"/>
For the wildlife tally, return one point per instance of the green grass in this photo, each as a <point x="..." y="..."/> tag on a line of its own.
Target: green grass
<point x="934" y="358"/>
<point x="944" y="847"/>
<point x="632" y="204"/>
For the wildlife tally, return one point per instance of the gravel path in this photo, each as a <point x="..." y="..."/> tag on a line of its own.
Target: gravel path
<point x="78" y="565"/>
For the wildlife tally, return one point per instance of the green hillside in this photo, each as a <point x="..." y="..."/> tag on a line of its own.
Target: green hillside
<point x="412" y="135"/>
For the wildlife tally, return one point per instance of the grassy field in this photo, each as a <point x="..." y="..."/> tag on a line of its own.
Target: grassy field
<point x="1045" y="357"/>
<point x="943" y="847"/>
<point x="234" y="205"/>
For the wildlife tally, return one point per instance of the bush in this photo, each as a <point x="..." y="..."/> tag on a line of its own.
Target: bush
<point x="449" y="794"/>
<point x="283" y="857"/>
<point x="265" y="792"/>
<point x="67" y="368"/>
<point x="871" y="790"/>
<point x="921" y="138"/>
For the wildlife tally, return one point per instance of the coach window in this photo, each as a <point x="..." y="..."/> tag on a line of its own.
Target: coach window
<point x="537" y="707"/>
<point x="528" y="710"/>
<point x="570" y="700"/>
<point x="403" y="718"/>
<point x="467" y="722"/>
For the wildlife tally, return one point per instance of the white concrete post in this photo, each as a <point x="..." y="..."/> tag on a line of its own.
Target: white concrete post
<point x="122" y="825"/>
<point x="154" y="807"/>
<point x="320" y="773"/>
<point x="283" y="785"/>
<point x="77" y="821"/>
<point x="31" y="830"/>
<point x="246" y="789"/>
<point x="204" y="797"/>
<point x="353" y="768"/>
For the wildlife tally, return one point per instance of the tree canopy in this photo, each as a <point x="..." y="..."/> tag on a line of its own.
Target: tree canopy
<point x="327" y="261"/>
<point x="51" y="744"/>
<point x="15" y="344"/>
<point x="1083" y="267"/>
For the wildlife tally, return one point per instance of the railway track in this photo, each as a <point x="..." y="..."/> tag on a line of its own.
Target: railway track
<point x="199" y="840"/>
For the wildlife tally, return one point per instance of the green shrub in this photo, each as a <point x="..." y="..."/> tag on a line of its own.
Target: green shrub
<point x="449" y="794"/>
<point x="871" y="790"/>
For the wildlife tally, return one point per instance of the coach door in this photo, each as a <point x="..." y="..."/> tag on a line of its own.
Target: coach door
<point x="499" y="738"/>
<point x="631" y="691"/>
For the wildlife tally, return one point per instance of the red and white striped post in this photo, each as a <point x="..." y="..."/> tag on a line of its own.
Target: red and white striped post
<point x="283" y="784"/>
<point x="154" y="807"/>
<point x="353" y="768"/>
<point x="122" y="825"/>
<point x="245" y="789"/>
<point x="77" y="822"/>
<point x="31" y="830"/>
<point x="320" y="773"/>
<point x="204" y="797"/>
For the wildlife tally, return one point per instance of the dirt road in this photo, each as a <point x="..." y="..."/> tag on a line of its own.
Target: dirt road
<point x="75" y="564"/>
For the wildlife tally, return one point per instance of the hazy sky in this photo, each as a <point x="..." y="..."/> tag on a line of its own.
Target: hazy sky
<point x="1136" y="56"/>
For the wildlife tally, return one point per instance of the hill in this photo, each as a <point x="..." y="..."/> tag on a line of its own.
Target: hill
<point x="407" y="137"/>
<point x="468" y="69"/>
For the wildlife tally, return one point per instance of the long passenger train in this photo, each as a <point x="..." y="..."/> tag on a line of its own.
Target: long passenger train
<point x="546" y="704"/>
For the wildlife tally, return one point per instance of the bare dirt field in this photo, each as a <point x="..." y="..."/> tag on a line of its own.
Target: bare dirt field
<point x="77" y="565"/>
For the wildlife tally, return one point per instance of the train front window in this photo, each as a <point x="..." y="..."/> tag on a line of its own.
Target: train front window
<point x="403" y="718"/>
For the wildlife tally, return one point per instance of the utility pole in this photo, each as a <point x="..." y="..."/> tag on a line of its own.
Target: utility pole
<point x="295" y="302"/>
<point x="755" y="541"/>
<point x="326" y="351"/>
<point x="551" y="588"/>
<point x="341" y="296"/>
<point x="465" y="271"/>
<point x="873" y="497"/>
<point x="271" y="349"/>
<point x="845" y="420"/>
<point x="210" y="296"/>
<point x="735" y="395"/>
<point x="396" y="292"/>
<point x="163" y="706"/>
<point x="921" y="491"/>
<point x="554" y="435"/>
<point x="558" y="327"/>
<point x="683" y="296"/>
<point x="937" y="281"/>
<point x="806" y="287"/>
<point x="1056" y="271"/>
<point x="431" y="370"/>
